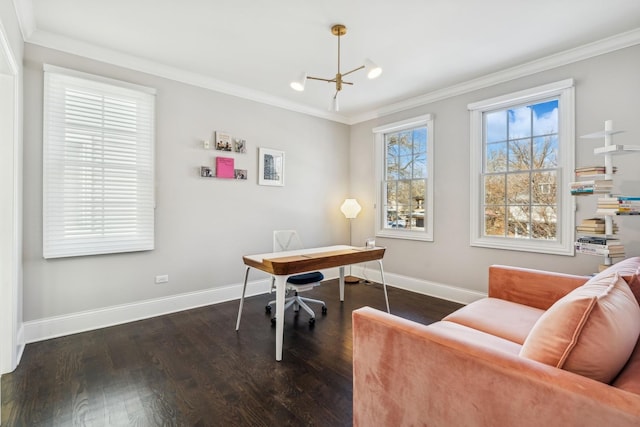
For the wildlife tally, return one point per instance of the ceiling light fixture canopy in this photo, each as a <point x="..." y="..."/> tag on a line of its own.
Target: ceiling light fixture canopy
<point x="373" y="70"/>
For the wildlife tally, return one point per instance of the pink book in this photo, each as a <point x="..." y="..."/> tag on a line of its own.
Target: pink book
<point x="224" y="167"/>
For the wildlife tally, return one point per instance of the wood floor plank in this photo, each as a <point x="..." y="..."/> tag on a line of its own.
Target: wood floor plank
<point x="193" y="369"/>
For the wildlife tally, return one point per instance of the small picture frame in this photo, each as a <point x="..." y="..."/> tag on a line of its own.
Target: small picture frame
<point x="206" y="172"/>
<point x="239" y="145"/>
<point x="270" y="167"/>
<point x="240" y="174"/>
<point x="223" y="141"/>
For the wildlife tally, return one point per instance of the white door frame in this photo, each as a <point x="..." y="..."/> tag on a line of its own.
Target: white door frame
<point x="10" y="209"/>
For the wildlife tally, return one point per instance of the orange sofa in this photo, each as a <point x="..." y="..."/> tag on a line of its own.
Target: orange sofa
<point x="543" y="349"/>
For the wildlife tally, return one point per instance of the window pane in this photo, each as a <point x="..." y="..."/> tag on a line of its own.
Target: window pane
<point x="494" y="224"/>
<point x="520" y="154"/>
<point x="405" y="167"/>
<point x="496" y="157"/>
<point x="545" y="118"/>
<point x="405" y="143"/>
<point x="544" y="188"/>
<point x="496" y="126"/>
<point x="494" y="189"/>
<point x="518" y="189"/>
<point x="519" y="122"/>
<point x="420" y="166"/>
<point x="518" y="221"/>
<point x="544" y="220"/>
<point x="545" y="152"/>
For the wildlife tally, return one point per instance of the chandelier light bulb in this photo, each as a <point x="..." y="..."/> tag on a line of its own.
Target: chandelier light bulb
<point x="373" y="70"/>
<point x="299" y="84"/>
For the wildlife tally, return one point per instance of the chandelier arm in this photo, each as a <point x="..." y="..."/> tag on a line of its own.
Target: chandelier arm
<point x="321" y="79"/>
<point x="352" y="71"/>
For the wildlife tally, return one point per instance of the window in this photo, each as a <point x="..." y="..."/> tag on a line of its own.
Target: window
<point x="522" y="157"/>
<point x="404" y="173"/>
<point x="98" y="174"/>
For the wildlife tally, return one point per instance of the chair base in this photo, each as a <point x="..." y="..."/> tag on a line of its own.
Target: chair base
<point x="299" y="302"/>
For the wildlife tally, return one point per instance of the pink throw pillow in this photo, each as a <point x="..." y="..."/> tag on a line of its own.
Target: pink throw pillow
<point x="591" y="331"/>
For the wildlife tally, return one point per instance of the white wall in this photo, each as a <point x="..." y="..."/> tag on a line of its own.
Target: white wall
<point x="11" y="46"/>
<point x="607" y="87"/>
<point x="203" y="226"/>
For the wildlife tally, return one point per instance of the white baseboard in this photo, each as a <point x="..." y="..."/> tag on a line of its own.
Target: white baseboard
<point x="425" y="287"/>
<point x="52" y="327"/>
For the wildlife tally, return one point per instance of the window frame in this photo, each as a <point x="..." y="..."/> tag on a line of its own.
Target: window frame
<point x="379" y="132"/>
<point x="57" y="241"/>
<point x="563" y="91"/>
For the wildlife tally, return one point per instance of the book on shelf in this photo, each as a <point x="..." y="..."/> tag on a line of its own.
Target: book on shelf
<point x="592" y="221"/>
<point x="604" y="249"/>
<point x="591" y="186"/>
<point x="592" y="170"/>
<point x="594" y="226"/>
<point x="600" y="241"/>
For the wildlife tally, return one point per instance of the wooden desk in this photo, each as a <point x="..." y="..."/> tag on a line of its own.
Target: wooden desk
<point x="283" y="265"/>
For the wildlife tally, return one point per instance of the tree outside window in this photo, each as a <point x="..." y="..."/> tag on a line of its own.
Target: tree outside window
<point x="522" y="157"/>
<point x="404" y="175"/>
<point x="521" y="171"/>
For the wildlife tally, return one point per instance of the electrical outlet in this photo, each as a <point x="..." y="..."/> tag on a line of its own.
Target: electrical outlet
<point x="162" y="279"/>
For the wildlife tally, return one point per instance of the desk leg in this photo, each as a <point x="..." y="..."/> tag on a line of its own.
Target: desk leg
<point x="244" y="289"/>
<point x="281" y="282"/>
<point x="384" y="285"/>
<point x="341" y="283"/>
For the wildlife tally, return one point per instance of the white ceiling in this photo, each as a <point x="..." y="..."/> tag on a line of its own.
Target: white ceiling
<point x="254" y="48"/>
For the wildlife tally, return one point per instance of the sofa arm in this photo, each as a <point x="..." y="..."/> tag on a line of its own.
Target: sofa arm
<point x="535" y="288"/>
<point x="408" y="374"/>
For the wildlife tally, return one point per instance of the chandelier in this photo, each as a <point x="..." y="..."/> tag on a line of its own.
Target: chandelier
<point x="373" y="71"/>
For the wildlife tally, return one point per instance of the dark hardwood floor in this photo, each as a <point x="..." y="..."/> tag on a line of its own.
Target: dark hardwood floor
<point x="193" y="369"/>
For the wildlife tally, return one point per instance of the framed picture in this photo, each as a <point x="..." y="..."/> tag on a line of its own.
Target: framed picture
<point x="240" y="174"/>
<point x="223" y="141"/>
<point x="239" y="145"/>
<point x="270" y="167"/>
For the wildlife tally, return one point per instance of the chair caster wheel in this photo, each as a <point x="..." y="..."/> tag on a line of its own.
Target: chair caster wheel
<point x="273" y="321"/>
<point x="312" y="321"/>
<point x="267" y="309"/>
<point x="324" y="309"/>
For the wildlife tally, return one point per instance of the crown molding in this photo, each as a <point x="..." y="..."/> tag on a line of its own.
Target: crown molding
<point x="600" y="47"/>
<point x="26" y="19"/>
<point x="109" y="56"/>
<point x="30" y="34"/>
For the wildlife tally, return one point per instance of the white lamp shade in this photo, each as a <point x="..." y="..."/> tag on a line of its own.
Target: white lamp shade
<point x="350" y="208"/>
<point x="300" y="83"/>
<point x="373" y="70"/>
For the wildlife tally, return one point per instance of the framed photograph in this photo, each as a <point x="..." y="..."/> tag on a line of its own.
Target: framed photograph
<point x="223" y="141"/>
<point x="270" y="167"/>
<point x="240" y="174"/>
<point x="206" y="172"/>
<point x="239" y="145"/>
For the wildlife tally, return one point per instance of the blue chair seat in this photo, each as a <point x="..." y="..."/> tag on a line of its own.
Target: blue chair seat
<point x="306" y="278"/>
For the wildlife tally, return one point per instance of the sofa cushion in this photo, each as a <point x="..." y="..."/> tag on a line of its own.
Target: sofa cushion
<point x="591" y="331"/>
<point x="629" y="377"/>
<point x="634" y="284"/>
<point x="504" y="319"/>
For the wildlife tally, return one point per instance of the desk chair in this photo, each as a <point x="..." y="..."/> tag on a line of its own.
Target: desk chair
<point x="288" y="240"/>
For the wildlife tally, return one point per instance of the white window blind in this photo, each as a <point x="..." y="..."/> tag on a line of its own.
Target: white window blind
<point x="98" y="157"/>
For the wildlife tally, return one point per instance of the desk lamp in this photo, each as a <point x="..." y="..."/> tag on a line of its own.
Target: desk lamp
<point x="350" y="208"/>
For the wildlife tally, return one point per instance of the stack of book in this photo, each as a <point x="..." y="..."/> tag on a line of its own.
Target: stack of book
<point x="594" y="226"/>
<point x="608" y="205"/>
<point x="629" y="205"/>
<point x="592" y="170"/>
<point x="592" y="186"/>
<point x="601" y="246"/>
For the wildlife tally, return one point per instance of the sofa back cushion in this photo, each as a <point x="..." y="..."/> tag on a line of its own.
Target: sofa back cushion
<point x="591" y="331"/>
